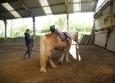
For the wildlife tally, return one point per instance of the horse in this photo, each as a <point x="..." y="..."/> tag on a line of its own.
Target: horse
<point x="73" y="35"/>
<point x="48" y="43"/>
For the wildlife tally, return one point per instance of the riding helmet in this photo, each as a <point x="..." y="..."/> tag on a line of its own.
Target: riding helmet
<point x="52" y="28"/>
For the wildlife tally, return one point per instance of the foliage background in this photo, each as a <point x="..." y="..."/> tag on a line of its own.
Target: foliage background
<point x="18" y="29"/>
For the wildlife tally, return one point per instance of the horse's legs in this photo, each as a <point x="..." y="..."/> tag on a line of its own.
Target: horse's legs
<point x="62" y="57"/>
<point x="67" y="55"/>
<point x="43" y="61"/>
<point x="42" y="64"/>
<point x="51" y="62"/>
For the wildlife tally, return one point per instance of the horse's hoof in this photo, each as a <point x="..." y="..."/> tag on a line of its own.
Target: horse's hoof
<point x="67" y="61"/>
<point x="43" y="71"/>
<point x="60" y="61"/>
<point x="53" y="66"/>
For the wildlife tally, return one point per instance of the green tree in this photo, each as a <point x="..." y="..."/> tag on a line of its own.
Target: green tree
<point x="60" y="23"/>
<point x="2" y="31"/>
<point x="82" y="28"/>
<point x="19" y="31"/>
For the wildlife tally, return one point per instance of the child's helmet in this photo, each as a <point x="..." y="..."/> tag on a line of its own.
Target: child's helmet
<point x="52" y="28"/>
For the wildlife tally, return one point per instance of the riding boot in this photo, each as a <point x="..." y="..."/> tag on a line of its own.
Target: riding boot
<point x="25" y="55"/>
<point x="29" y="55"/>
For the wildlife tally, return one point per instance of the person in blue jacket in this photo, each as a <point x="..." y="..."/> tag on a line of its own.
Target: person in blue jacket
<point x="28" y="43"/>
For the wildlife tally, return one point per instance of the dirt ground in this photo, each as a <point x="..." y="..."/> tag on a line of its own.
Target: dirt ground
<point x="97" y="65"/>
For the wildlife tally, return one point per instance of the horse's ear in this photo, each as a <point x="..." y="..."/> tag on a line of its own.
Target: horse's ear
<point x="76" y="37"/>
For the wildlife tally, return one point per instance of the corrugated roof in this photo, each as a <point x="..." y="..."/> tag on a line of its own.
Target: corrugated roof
<point x="15" y="5"/>
<point x="58" y="9"/>
<point x="32" y="3"/>
<point x="23" y="13"/>
<point x="88" y="6"/>
<point x="38" y="11"/>
<point x="56" y="1"/>
<point x="29" y="8"/>
<point x="7" y="15"/>
<point x="2" y="9"/>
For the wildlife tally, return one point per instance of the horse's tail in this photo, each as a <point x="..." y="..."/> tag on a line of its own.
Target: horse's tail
<point x="43" y="50"/>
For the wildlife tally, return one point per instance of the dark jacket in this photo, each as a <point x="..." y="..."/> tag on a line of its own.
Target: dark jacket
<point x="27" y="39"/>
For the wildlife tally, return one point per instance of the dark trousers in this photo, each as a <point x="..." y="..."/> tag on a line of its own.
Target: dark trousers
<point x="28" y="50"/>
<point x="32" y="45"/>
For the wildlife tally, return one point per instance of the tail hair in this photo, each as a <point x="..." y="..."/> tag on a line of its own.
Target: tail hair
<point x="42" y="48"/>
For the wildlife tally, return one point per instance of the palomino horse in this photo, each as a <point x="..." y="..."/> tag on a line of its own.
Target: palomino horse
<point x="48" y="43"/>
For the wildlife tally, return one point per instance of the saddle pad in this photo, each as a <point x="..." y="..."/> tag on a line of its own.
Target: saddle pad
<point x="63" y="38"/>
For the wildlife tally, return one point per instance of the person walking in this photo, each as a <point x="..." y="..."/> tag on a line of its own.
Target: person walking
<point x="28" y="43"/>
<point x="32" y="42"/>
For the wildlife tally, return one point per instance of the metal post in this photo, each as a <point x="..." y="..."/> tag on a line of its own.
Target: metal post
<point x="5" y="23"/>
<point x="34" y="30"/>
<point x="67" y="22"/>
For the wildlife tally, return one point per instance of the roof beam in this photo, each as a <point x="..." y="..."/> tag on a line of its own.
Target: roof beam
<point x="81" y="2"/>
<point x="2" y="17"/>
<point x="102" y="7"/>
<point x="57" y="13"/>
<point x="47" y="14"/>
<point x="4" y="1"/>
<point x="95" y="5"/>
<point x="83" y="11"/>
<point x="25" y="6"/>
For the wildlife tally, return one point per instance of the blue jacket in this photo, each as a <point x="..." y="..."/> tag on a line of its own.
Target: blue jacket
<point x="27" y="38"/>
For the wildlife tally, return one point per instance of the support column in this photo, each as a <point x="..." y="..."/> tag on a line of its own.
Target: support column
<point x="5" y="23"/>
<point x="67" y="22"/>
<point x="67" y="15"/>
<point x="111" y="20"/>
<point x="34" y="30"/>
<point x="111" y="13"/>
